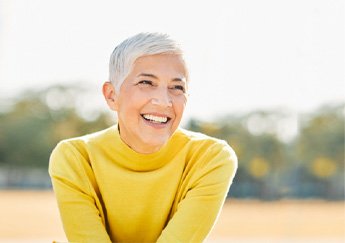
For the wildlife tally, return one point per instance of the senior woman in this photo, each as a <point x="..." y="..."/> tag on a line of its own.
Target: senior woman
<point x="143" y="179"/>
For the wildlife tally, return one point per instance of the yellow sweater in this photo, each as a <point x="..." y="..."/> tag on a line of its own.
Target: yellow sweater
<point x="107" y="192"/>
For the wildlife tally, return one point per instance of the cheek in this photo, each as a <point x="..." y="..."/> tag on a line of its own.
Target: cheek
<point x="133" y="102"/>
<point x="180" y="106"/>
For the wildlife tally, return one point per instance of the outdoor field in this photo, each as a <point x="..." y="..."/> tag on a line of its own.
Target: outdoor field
<point x="32" y="216"/>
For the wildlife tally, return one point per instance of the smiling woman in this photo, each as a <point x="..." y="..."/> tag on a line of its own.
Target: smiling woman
<point x="150" y="102"/>
<point x="143" y="179"/>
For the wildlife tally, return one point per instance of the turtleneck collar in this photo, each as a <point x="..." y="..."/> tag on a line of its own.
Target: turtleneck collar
<point x="133" y="160"/>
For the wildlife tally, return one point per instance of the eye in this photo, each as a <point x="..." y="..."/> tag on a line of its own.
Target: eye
<point x="145" y="82"/>
<point x="179" y="88"/>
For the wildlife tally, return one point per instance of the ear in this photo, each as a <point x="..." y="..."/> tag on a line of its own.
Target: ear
<point x="110" y="96"/>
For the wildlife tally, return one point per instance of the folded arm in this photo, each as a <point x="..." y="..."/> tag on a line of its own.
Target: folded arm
<point x="197" y="212"/>
<point x="81" y="217"/>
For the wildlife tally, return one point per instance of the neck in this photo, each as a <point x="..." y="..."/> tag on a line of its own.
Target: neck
<point x="139" y="147"/>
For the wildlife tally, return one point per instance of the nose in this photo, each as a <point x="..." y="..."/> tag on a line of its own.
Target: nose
<point x="162" y="98"/>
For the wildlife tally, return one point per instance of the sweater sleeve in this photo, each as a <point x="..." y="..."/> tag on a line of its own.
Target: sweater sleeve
<point x="207" y="189"/>
<point x="72" y="180"/>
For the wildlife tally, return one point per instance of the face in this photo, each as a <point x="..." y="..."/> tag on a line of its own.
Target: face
<point x="151" y="101"/>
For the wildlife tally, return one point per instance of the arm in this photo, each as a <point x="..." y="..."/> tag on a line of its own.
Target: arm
<point x="72" y="180"/>
<point x="198" y="211"/>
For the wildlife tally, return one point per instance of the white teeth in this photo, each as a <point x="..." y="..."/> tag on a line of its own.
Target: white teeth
<point x="156" y="118"/>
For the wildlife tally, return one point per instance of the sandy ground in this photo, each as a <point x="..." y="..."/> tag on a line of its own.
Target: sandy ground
<point x="32" y="216"/>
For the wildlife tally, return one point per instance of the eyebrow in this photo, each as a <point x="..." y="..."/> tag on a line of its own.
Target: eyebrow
<point x="147" y="75"/>
<point x="155" y="77"/>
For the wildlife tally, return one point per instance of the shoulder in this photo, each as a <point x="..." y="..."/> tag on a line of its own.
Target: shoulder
<point x="75" y="150"/>
<point x="208" y="148"/>
<point x="208" y="159"/>
<point x="80" y="143"/>
<point x="197" y="139"/>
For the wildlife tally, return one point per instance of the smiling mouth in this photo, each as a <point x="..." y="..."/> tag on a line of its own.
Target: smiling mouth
<point x="156" y="119"/>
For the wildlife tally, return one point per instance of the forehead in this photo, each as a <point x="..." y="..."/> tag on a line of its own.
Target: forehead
<point x="161" y="64"/>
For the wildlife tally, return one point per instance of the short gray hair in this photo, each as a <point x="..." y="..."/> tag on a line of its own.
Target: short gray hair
<point x="142" y="44"/>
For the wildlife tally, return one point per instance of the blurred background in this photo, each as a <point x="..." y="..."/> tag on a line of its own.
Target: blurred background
<point x="266" y="76"/>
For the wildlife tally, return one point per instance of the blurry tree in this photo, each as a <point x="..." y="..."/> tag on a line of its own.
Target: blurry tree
<point x="322" y="135"/>
<point x="30" y="129"/>
<point x="320" y="150"/>
<point x="309" y="164"/>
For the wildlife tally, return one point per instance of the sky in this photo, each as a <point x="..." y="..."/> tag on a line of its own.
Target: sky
<point x="242" y="55"/>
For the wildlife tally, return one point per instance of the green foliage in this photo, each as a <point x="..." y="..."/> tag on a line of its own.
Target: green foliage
<point x="31" y="129"/>
<point x="322" y="135"/>
<point x="309" y="164"/>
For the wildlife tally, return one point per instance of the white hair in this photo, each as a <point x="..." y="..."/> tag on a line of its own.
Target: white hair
<point x="142" y="44"/>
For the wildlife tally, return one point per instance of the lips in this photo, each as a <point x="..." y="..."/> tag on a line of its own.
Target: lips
<point x="156" y="118"/>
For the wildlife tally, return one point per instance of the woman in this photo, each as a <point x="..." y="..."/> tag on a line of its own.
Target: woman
<point x="144" y="179"/>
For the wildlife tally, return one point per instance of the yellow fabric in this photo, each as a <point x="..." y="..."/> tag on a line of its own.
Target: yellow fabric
<point x="107" y="192"/>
